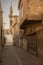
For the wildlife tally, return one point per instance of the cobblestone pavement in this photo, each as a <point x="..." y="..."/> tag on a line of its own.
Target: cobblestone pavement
<point x="16" y="56"/>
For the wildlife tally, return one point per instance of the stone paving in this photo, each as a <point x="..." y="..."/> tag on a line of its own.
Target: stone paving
<point x="16" y="56"/>
<point x="8" y="57"/>
<point x="26" y="58"/>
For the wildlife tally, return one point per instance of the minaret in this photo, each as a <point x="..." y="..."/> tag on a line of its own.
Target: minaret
<point x="11" y="14"/>
<point x="11" y="9"/>
<point x="11" y="17"/>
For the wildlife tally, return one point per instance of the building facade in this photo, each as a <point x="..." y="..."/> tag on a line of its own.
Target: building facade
<point x="1" y="29"/>
<point x="16" y="30"/>
<point x="31" y="18"/>
<point x="6" y="31"/>
<point x="14" y="26"/>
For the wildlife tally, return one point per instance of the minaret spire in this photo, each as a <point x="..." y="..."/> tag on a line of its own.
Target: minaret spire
<point x="11" y="8"/>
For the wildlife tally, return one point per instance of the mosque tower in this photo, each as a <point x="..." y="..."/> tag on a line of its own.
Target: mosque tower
<point x="11" y="17"/>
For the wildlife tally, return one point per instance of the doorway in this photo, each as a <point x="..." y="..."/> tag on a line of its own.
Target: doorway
<point x="32" y="44"/>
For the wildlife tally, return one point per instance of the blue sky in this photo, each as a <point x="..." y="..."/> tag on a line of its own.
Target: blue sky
<point x="6" y="9"/>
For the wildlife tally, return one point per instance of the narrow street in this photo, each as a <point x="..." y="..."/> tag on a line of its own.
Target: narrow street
<point x="9" y="57"/>
<point x="16" y="56"/>
<point x="21" y="32"/>
<point x="13" y="55"/>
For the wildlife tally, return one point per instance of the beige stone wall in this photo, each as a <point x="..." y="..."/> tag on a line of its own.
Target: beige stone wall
<point x="31" y="40"/>
<point x="32" y="9"/>
<point x="23" y="13"/>
<point x="35" y="6"/>
<point x="1" y="30"/>
<point x="24" y="42"/>
<point x="16" y="31"/>
<point x="40" y="44"/>
<point x="6" y="31"/>
<point x="35" y="9"/>
<point x="1" y="24"/>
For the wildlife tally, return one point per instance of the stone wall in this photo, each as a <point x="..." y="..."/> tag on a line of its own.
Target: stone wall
<point x="40" y="43"/>
<point x="24" y="44"/>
